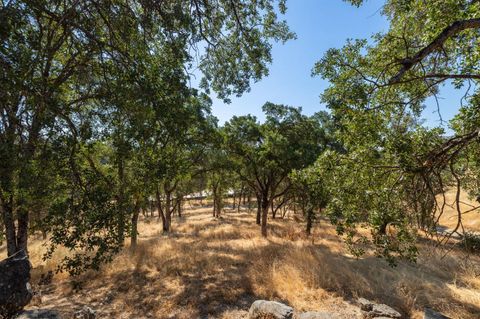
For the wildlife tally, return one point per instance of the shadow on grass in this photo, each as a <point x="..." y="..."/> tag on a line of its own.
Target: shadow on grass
<point x="199" y="271"/>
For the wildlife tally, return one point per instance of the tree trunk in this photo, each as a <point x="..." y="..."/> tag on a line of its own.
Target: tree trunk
<point x="24" y="184"/>
<point x="265" y="205"/>
<point x="179" y="207"/>
<point x="168" y="211"/>
<point x="214" y="193"/>
<point x="310" y="219"/>
<point x="274" y="211"/>
<point x="152" y="208"/>
<point x="8" y="221"/>
<point x="159" y="207"/>
<point x="121" y="202"/>
<point x="217" y="200"/>
<point x="259" y="209"/>
<point x="134" y="234"/>
<point x="7" y="168"/>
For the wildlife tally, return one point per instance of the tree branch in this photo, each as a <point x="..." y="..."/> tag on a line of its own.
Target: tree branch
<point x="437" y="43"/>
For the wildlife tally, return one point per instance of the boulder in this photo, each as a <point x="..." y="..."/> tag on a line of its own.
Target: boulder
<point x="39" y="314"/>
<point x="85" y="313"/>
<point x="15" y="290"/>
<point x="364" y="304"/>
<point x="264" y="309"/>
<point x="315" y="315"/>
<point x="432" y="314"/>
<point x="381" y="310"/>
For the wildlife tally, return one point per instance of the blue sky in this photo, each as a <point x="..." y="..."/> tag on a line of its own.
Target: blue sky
<point x="319" y="25"/>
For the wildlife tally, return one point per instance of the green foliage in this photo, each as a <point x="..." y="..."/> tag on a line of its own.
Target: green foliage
<point x="392" y="171"/>
<point x="471" y="242"/>
<point x="97" y="109"/>
<point x="266" y="153"/>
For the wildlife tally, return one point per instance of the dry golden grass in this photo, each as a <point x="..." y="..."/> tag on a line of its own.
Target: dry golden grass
<point x="470" y="220"/>
<point x="214" y="268"/>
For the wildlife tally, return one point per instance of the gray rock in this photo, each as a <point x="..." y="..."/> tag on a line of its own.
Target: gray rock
<point x="264" y="309"/>
<point x="39" y="314"/>
<point x="15" y="290"/>
<point x="432" y="314"/>
<point x="316" y="315"/>
<point x="381" y="310"/>
<point x="85" y="313"/>
<point x="364" y="304"/>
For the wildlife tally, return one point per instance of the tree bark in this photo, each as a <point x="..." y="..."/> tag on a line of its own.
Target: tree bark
<point x="259" y="209"/>
<point x="121" y="201"/>
<point x="310" y="219"/>
<point x="159" y="207"/>
<point x="8" y="221"/>
<point x="134" y="234"/>
<point x="265" y="205"/>
<point x="179" y="207"/>
<point x="22" y="229"/>
<point x="168" y="210"/>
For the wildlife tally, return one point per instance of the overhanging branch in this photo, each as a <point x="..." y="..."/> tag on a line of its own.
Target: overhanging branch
<point x="436" y="44"/>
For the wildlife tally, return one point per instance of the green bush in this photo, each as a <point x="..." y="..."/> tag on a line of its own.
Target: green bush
<point x="471" y="242"/>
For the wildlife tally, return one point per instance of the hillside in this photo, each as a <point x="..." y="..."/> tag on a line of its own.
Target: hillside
<point x="215" y="267"/>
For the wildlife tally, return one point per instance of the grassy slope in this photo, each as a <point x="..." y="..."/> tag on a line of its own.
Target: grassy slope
<point x="209" y="268"/>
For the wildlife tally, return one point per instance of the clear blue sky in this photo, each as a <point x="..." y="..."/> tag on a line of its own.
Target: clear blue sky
<point x="319" y="25"/>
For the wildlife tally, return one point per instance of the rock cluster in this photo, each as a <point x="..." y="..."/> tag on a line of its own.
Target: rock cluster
<point x="85" y="313"/>
<point x="39" y="314"/>
<point x="264" y="309"/>
<point x="432" y="314"/>
<point x="373" y="310"/>
<point x="261" y="309"/>
<point x="15" y="290"/>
